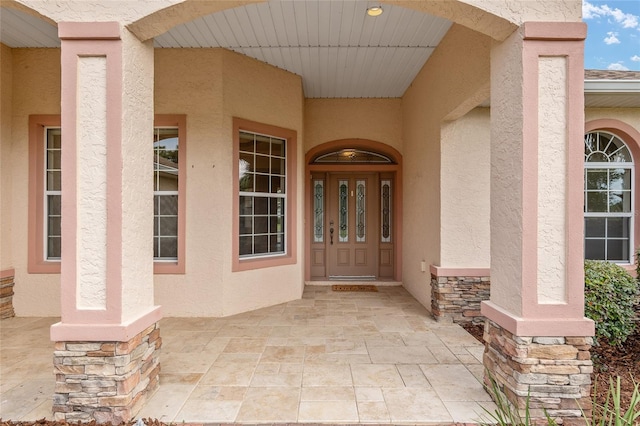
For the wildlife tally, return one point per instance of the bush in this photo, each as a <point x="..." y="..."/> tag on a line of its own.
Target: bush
<point x="609" y="297"/>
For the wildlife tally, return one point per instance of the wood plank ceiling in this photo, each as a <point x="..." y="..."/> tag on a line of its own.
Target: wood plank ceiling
<point x="338" y="49"/>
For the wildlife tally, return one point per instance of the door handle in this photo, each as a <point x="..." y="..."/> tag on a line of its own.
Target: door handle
<point x="331" y="235"/>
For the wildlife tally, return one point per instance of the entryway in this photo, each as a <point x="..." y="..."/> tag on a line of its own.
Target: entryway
<point x="353" y="201"/>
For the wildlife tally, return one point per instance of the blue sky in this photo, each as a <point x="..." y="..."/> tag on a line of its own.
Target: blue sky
<point x="613" y="37"/>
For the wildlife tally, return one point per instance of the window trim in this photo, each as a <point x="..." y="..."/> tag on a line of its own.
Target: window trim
<point x="631" y="137"/>
<point x="36" y="263"/>
<point x="290" y="256"/>
<point x="178" y="121"/>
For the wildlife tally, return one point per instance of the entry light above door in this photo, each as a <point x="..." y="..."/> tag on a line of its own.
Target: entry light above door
<point x="374" y="10"/>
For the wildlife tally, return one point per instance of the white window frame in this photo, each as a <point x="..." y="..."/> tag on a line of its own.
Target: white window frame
<point x="269" y="195"/>
<point x="46" y="193"/>
<point x="157" y="192"/>
<point x="629" y="215"/>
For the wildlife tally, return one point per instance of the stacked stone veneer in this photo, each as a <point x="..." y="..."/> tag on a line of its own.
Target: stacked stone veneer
<point x="553" y="372"/>
<point x="458" y="299"/>
<point x="6" y="297"/>
<point x="106" y="381"/>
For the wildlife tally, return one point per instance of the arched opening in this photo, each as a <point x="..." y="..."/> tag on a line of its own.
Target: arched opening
<point x="473" y="17"/>
<point x="353" y="230"/>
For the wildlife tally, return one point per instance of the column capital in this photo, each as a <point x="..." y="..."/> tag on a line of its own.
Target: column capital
<point x="89" y="31"/>
<point x="555" y="31"/>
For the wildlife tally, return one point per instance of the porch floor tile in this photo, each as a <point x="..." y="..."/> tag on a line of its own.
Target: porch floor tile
<point x="331" y="357"/>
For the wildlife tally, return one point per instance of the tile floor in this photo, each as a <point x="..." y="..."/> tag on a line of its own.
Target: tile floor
<point x="331" y="357"/>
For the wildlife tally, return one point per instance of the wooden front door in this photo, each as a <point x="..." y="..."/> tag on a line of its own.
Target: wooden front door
<point x="352" y="218"/>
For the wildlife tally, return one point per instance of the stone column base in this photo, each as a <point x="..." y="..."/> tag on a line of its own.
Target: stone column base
<point x="106" y="381"/>
<point x="457" y="299"/>
<point x="553" y="372"/>
<point x="6" y="297"/>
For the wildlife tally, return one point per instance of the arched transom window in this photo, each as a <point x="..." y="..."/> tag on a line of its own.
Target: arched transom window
<point x="608" y="198"/>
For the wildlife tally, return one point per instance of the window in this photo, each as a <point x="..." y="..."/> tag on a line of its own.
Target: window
<point x="265" y="190"/>
<point x="52" y="199"/>
<point x="44" y="215"/>
<point x="263" y="194"/>
<point x="169" y="192"/>
<point x="608" y="198"/>
<point x="45" y="193"/>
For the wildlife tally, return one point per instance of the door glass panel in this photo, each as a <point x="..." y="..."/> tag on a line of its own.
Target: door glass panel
<point x="318" y="210"/>
<point x="385" y="201"/>
<point x="343" y="205"/>
<point x="361" y="210"/>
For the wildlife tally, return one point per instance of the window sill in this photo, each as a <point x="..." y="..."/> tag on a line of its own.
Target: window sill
<point x="44" y="267"/>
<point x="262" y="262"/>
<point x="168" y="268"/>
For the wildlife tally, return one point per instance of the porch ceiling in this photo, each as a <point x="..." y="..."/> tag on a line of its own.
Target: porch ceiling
<point x="339" y="51"/>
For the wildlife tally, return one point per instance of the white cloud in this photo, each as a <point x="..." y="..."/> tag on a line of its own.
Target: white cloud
<point x="617" y="66"/>
<point x="612" y="39"/>
<point x="627" y="20"/>
<point x="635" y="58"/>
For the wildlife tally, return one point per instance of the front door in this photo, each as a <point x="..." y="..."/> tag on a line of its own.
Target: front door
<point x="353" y="207"/>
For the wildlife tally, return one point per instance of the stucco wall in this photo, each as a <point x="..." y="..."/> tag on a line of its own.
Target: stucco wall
<point x="6" y="64"/>
<point x="465" y="189"/>
<point x="36" y="90"/>
<point x="629" y="116"/>
<point x="457" y="70"/>
<point x="327" y="120"/>
<point x="211" y="86"/>
<point x="182" y="88"/>
<point x="265" y="94"/>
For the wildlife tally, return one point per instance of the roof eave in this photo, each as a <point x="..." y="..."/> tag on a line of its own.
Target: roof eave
<point x="612" y="86"/>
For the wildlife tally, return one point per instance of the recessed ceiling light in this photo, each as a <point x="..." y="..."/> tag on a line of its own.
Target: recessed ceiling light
<point x="374" y="10"/>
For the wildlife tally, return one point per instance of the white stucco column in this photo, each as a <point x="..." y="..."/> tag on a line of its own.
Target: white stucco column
<point x="109" y="333"/>
<point x="537" y="121"/>
<point x="107" y="122"/>
<point x="537" y="339"/>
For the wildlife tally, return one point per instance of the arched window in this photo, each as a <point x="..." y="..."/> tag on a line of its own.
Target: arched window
<point x="608" y="198"/>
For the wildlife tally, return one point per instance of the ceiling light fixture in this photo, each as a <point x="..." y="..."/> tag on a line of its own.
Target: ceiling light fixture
<point x="374" y="10"/>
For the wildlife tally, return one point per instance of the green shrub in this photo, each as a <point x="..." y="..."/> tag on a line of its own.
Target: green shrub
<point x="609" y="297"/>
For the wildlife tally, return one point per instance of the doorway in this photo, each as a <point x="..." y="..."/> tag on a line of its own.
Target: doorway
<point x="353" y="225"/>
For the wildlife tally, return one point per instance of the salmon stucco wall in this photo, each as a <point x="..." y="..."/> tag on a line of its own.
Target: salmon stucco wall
<point x="326" y="120"/>
<point x="630" y="116"/>
<point x="6" y="64"/>
<point x="211" y="86"/>
<point x="262" y="93"/>
<point x="465" y="190"/>
<point x="36" y="90"/>
<point x="457" y="71"/>
<point x="182" y="87"/>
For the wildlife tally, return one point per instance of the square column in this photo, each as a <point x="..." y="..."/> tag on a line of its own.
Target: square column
<point x="107" y="342"/>
<point x="537" y="278"/>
